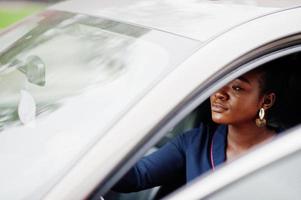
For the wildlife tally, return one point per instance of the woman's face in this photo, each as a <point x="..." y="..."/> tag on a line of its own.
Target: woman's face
<point x="238" y="102"/>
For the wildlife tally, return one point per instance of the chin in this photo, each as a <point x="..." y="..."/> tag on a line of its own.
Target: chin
<point x="219" y="121"/>
<point x="219" y="118"/>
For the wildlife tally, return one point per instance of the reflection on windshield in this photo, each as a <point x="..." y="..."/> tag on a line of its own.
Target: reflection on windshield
<point x="67" y="53"/>
<point x="34" y="70"/>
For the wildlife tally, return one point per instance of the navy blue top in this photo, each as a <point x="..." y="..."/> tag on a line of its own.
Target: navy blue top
<point x="178" y="161"/>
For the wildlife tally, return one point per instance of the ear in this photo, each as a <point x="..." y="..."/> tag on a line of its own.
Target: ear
<point x="268" y="100"/>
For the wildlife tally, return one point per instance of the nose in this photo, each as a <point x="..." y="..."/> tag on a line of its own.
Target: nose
<point x="222" y="94"/>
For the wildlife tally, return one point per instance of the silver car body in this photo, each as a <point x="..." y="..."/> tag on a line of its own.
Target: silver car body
<point x="256" y="160"/>
<point x="207" y="39"/>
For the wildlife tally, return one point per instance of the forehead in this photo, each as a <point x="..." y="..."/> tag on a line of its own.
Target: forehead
<point x="251" y="77"/>
<point x="252" y="80"/>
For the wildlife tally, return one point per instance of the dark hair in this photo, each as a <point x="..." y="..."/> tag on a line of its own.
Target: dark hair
<point x="280" y="77"/>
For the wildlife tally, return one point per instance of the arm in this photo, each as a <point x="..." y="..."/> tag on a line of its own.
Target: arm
<point x="160" y="167"/>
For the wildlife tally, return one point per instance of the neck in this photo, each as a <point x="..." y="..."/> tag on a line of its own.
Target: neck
<point x="243" y="137"/>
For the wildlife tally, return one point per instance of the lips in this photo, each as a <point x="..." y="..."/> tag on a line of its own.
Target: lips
<point x="216" y="107"/>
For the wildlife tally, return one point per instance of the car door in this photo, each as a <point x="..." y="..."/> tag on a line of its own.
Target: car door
<point x="270" y="172"/>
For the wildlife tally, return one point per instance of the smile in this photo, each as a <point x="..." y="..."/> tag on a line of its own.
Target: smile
<point x="215" y="107"/>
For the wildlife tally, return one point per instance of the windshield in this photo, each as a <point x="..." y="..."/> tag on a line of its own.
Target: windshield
<point x="64" y="80"/>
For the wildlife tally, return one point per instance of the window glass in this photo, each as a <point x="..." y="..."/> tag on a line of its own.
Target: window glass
<point x="64" y="80"/>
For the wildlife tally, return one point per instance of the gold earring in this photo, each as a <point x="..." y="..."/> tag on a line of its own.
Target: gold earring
<point x="261" y="121"/>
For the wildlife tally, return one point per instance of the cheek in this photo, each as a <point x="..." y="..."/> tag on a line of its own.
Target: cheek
<point x="240" y="110"/>
<point x="245" y="108"/>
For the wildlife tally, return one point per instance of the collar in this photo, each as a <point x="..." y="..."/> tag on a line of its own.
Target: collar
<point x="219" y="145"/>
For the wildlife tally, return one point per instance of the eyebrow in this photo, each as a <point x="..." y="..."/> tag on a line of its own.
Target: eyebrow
<point x="244" y="80"/>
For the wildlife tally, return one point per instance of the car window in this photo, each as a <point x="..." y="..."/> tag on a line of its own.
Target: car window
<point x="280" y="180"/>
<point x="282" y="117"/>
<point x="65" y="78"/>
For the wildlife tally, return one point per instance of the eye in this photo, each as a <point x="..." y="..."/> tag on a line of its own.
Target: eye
<point x="237" y="88"/>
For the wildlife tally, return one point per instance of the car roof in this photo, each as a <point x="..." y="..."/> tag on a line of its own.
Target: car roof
<point x="200" y="20"/>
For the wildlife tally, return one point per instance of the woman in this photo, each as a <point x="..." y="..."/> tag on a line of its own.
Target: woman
<point x="240" y="109"/>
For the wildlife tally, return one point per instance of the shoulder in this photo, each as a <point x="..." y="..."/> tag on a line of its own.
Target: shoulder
<point x="192" y="136"/>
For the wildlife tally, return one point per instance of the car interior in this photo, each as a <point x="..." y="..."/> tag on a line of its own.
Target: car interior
<point x="288" y="117"/>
